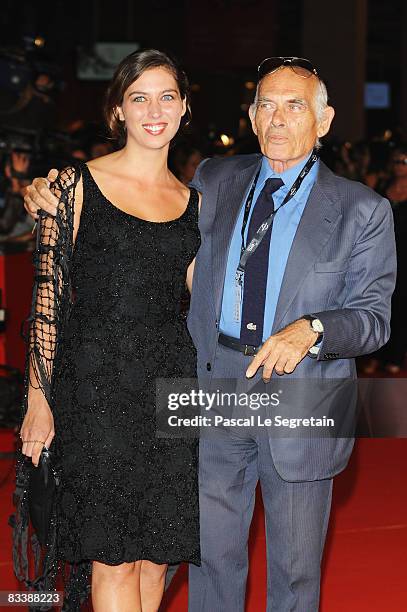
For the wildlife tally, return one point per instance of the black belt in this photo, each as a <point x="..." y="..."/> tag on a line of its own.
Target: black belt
<point x="233" y="343"/>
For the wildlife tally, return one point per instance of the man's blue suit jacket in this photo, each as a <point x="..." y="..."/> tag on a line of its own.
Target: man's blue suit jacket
<point x="341" y="268"/>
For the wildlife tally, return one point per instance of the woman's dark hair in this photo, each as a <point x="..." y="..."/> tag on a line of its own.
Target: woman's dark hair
<point x="130" y="69"/>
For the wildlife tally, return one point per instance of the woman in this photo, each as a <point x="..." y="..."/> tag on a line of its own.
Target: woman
<point x="124" y="238"/>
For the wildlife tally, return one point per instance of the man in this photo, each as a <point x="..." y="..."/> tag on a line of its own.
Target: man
<point x="310" y="293"/>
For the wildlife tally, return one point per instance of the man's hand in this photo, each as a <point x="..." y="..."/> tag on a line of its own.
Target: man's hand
<point x="38" y="195"/>
<point x="284" y="351"/>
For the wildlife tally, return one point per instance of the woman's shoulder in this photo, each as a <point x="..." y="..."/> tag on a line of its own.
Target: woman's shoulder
<point x="180" y="186"/>
<point x="69" y="176"/>
<point x="104" y="163"/>
<point x="68" y="187"/>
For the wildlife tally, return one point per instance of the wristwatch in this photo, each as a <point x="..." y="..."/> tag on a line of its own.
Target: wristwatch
<point x="316" y="326"/>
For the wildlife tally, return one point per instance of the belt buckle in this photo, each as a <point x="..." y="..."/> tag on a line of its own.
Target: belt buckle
<point x="249" y="350"/>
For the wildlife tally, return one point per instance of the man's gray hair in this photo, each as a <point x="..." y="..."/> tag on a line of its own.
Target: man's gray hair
<point x="320" y="104"/>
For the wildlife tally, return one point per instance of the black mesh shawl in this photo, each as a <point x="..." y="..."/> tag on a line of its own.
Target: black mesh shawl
<point x="50" y="307"/>
<point x="52" y="286"/>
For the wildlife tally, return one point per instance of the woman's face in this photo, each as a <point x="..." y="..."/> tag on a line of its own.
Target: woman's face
<point x="399" y="165"/>
<point x="152" y="108"/>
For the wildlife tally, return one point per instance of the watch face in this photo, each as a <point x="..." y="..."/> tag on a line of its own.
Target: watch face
<point x="317" y="326"/>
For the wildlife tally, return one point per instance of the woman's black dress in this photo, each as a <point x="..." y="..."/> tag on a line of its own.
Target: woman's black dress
<point x="125" y="494"/>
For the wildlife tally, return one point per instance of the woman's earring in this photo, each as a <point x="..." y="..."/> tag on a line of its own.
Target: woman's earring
<point x="120" y="120"/>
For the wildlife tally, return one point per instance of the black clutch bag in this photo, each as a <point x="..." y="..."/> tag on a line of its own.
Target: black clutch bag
<point x="41" y="494"/>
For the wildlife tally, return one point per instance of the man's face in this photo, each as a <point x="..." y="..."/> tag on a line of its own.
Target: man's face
<point x="285" y="119"/>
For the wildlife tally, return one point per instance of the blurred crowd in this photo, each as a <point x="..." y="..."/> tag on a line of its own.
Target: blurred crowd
<point x="381" y="164"/>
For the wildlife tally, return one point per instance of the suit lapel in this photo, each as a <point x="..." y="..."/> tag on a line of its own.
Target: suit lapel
<point x="230" y="197"/>
<point x="317" y="223"/>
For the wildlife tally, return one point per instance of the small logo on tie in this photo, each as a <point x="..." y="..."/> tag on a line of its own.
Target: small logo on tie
<point x="251" y="326"/>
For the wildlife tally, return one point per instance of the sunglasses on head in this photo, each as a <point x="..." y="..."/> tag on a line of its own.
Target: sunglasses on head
<point x="301" y="66"/>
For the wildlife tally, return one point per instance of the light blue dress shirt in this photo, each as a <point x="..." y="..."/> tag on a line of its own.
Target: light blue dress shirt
<point x="283" y="231"/>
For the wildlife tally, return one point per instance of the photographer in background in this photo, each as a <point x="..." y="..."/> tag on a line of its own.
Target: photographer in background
<point x="15" y="224"/>
<point x="34" y="108"/>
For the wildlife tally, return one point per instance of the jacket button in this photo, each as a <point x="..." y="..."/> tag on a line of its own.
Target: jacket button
<point x="208" y="367"/>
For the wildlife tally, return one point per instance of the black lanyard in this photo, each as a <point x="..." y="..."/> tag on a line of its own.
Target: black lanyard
<point x="262" y="230"/>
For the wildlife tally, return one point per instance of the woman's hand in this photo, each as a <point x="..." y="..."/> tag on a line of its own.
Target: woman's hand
<point x="37" y="429"/>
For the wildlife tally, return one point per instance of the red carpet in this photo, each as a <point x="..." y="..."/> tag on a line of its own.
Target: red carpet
<point x="366" y="554"/>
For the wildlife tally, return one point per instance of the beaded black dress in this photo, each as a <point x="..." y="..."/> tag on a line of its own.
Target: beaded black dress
<point x="111" y="304"/>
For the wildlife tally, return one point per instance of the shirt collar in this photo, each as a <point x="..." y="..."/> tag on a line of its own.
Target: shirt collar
<point x="288" y="177"/>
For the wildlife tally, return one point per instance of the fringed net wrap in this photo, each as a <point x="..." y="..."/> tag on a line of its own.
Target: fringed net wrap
<point x="50" y="308"/>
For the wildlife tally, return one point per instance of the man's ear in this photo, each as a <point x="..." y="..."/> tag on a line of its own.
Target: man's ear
<point x="252" y="116"/>
<point x="325" y="123"/>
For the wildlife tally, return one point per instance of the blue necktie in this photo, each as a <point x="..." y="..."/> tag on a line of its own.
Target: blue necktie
<point x="255" y="277"/>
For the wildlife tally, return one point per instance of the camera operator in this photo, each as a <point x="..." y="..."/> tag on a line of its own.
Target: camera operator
<point x="15" y="224"/>
<point x="35" y="108"/>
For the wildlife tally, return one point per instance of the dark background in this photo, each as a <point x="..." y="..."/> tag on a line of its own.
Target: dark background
<point x="220" y="43"/>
